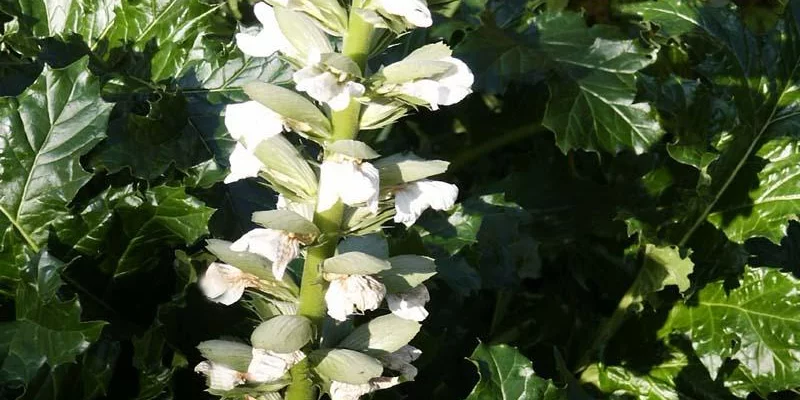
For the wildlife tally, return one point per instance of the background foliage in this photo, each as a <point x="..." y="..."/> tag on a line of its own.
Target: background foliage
<point x="627" y="221"/>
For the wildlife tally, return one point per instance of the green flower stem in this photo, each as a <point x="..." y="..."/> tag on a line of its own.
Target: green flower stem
<point x="312" y="293"/>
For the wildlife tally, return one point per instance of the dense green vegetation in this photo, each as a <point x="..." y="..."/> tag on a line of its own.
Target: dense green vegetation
<point x="626" y="227"/>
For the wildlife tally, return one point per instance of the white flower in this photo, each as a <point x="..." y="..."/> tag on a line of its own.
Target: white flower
<point x="401" y="360"/>
<point x="269" y="366"/>
<point x="347" y="391"/>
<point x="446" y="89"/>
<point x="415" y="197"/>
<point x="324" y="86"/>
<point x="251" y="122"/>
<point x="277" y="246"/>
<point x="269" y="40"/>
<point x="219" y="376"/>
<point x="349" y="180"/>
<point x="413" y="12"/>
<point x="350" y="293"/>
<point x="411" y="304"/>
<point x="243" y="164"/>
<point x="223" y="283"/>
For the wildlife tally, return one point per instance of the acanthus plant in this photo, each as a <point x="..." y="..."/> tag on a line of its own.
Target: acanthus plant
<point x="325" y="325"/>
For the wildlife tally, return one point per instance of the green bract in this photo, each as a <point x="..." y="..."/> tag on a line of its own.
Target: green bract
<point x="352" y="148"/>
<point x="285" y="220"/>
<point x="407" y="272"/>
<point x="283" y="334"/>
<point x="286" y="169"/>
<point x="402" y="168"/>
<point x="385" y="334"/>
<point x="232" y="354"/>
<point x="346" y="366"/>
<point x="300" y="113"/>
<point x="302" y="33"/>
<point x="355" y="263"/>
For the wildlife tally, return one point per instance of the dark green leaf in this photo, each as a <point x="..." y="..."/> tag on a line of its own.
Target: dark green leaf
<point x="592" y="103"/>
<point x="45" y="18"/>
<point x="754" y="324"/>
<point x="506" y="374"/>
<point x="48" y="331"/>
<point x="163" y="217"/>
<point x="43" y="133"/>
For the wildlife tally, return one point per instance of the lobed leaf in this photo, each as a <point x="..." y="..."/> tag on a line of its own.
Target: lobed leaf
<point x="506" y="374"/>
<point x="43" y="133"/>
<point x="754" y="324"/>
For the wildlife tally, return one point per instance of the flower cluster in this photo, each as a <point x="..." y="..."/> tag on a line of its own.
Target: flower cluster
<point x="353" y="187"/>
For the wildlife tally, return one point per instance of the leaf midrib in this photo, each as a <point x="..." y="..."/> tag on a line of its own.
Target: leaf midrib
<point x="52" y="121"/>
<point x="19" y="229"/>
<point x="769" y="121"/>
<point x="747" y="311"/>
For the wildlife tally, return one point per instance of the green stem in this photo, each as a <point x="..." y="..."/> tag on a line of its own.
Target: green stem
<point x="312" y="291"/>
<point x="607" y="331"/>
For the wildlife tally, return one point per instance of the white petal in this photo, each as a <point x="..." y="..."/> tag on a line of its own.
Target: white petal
<point x="439" y="195"/>
<point x="353" y="183"/>
<point x="330" y="177"/>
<point x="408" y="205"/>
<point x="264" y="242"/>
<point x="220" y="377"/>
<point x="361" y="185"/>
<point x="302" y="208"/>
<point x="346" y="391"/>
<point x="288" y="250"/>
<point x="252" y="122"/>
<point x="223" y="283"/>
<point x="348" y="294"/>
<point x="272" y="244"/>
<point x="319" y="84"/>
<point x="355" y="89"/>
<point x="269" y="366"/>
<point x="410" y="305"/>
<point x="338" y="305"/>
<point x="416" y="197"/>
<point x="231" y="295"/>
<point x="215" y="280"/>
<point x="343" y="98"/>
<point x="255" y="45"/>
<point x="243" y="164"/>
<point x="426" y="90"/>
<point x="457" y="84"/>
<point x="415" y="12"/>
<point x="365" y="292"/>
